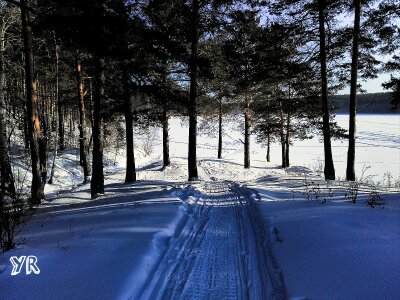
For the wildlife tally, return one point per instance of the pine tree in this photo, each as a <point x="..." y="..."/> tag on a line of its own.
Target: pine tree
<point x="37" y="142"/>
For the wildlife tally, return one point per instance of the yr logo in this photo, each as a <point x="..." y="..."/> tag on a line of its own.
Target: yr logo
<point x="30" y="264"/>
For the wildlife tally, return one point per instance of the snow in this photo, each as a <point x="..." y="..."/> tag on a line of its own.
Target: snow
<point x="235" y="233"/>
<point x="336" y="250"/>
<point x="90" y="252"/>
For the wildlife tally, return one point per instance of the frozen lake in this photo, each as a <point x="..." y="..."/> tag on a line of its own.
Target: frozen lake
<point x="377" y="146"/>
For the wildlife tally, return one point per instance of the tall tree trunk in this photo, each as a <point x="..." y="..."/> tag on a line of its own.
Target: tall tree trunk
<point x="7" y="179"/>
<point x="268" y="146"/>
<point x="130" y="175"/>
<point x="193" y="66"/>
<point x="247" y="132"/>
<point x="350" y="173"/>
<point x="282" y="136"/>
<point x="287" y="140"/>
<point x="165" y="117"/>
<point x="71" y="127"/>
<point x="83" y="140"/>
<point x="53" y="163"/>
<point x="97" y="182"/>
<point x="34" y="132"/>
<point x="61" y="128"/>
<point x="57" y="94"/>
<point x="220" y="129"/>
<point x="165" y="128"/>
<point x="329" y="169"/>
<point x="44" y="117"/>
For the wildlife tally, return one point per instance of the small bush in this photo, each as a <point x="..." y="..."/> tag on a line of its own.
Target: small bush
<point x="376" y="200"/>
<point x="352" y="191"/>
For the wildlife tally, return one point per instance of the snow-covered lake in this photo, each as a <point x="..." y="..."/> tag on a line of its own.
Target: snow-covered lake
<point x="377" y="147"/>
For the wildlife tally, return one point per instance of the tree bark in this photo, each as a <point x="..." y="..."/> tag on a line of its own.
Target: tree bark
<point x="287" y="140"/>
<point x="83" y="140"/>
<point x="130" y="175"/>
<point x="165" y="127"/>
<point x="282" y="136"/>
<point x="329" y="169"/>
<point x="350" y="173"/>
<point x="220" y="129"/>
<point x="165" y="116"/>
<point x="97" y="182"/>
<point x="61" y="129"/>
<point x="192" y="149"/>
<point x="247" y="132"/>
<point x="57" y="94"/>
<point x="268" y="146"/>
<point x="6" y="175"/>
<point x="35" y="136"/>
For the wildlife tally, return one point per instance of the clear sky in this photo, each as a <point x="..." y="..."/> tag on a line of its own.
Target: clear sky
<point x="371" y="86"/>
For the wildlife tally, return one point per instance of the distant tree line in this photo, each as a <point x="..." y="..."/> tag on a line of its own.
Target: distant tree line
<point x="371" y="103"/>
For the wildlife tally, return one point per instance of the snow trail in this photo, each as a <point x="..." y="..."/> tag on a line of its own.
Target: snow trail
<point x="221" y="252"/>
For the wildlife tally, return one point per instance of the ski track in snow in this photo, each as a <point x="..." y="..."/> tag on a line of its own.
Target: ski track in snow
<point x="221" y="251"/>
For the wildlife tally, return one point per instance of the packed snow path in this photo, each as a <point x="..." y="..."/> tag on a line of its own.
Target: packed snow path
<point x="219" y="251"/>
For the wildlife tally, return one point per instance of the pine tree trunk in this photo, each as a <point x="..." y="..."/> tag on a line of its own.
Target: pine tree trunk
<point x="34" y="132"/>
<point x="282" y="136"/>
<point x="247" y="132"/>
<point x="268" y="146"/>
<point x="287" y="140"/>
<point x="166" y="159"/>
<point x="350" y="173"/>
<point x="57" y="95"/>
<point x="43" y="154"/>
<point x="329" y="169"/>
<point x="53" y="164"/>
<point x="130" y="175"/>
<point x="71" y="127"/>
<point x="61" y="129"/>
<point x="220" y="129"/>
<point x="6" y="175"/>
<point x="83" y="140"/>
<point x="97" y="182"/>
<point x="192" y="151"/>
<point x="165" y="116"/>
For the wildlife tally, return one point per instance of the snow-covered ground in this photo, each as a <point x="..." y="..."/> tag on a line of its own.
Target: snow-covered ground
<point x="236" y="234"/>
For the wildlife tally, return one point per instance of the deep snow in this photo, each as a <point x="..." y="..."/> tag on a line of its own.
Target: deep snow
<point x="236" y="234"/>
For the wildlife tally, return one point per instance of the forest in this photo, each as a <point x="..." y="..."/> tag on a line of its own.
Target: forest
<point x="274" y="66"/>
<point x="371" y="103"/>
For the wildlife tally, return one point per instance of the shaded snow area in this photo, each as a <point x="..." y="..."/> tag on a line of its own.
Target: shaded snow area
<point x="258" y="233"/>
<point x="335" y="250"/>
